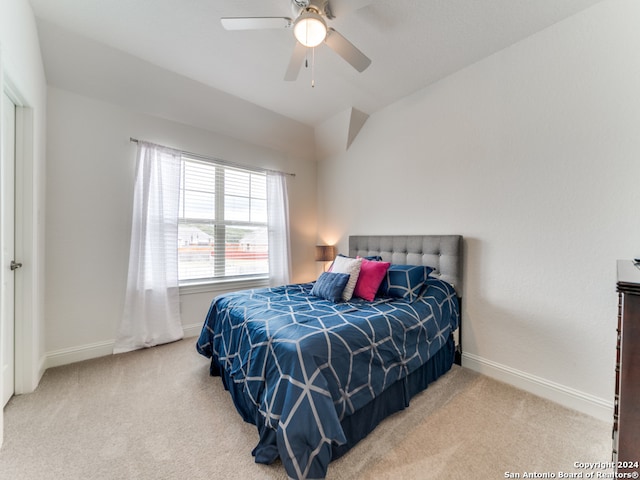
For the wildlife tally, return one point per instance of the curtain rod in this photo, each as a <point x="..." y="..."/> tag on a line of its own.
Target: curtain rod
<point x="222" y="162"/>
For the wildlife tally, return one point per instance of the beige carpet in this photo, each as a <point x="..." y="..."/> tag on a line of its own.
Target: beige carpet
<point x="156" y="414"/>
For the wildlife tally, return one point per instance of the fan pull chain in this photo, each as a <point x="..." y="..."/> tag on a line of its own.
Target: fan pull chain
<point x="313" y="64"/>
<point x="313" y="67"/>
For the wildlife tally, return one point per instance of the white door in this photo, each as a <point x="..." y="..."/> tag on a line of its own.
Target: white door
<point x="7" y="248"/>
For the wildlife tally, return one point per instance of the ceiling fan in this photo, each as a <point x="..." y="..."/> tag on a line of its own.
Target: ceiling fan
<point x="310" y="30"/>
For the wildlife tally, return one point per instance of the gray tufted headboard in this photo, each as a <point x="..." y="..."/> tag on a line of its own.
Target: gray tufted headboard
<point x="441" y="252"/>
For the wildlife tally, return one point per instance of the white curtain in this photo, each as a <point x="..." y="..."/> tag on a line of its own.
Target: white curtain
<point x="278" y="218"/>
<point x="152" y="305"/>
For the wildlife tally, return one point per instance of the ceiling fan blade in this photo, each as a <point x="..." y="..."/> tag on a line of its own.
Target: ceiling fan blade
<point x="255" y="23"/>
<point x="347" y="50"/>
<point x="297" y="57"/>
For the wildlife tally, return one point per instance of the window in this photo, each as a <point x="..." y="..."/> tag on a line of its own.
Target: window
<point x="222" y="223"/>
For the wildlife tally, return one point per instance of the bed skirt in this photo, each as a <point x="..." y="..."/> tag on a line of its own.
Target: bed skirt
<point x="362" y="422"/>
<point x="395" y="398"/>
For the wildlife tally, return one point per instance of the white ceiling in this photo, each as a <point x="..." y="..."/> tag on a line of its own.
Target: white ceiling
<point x="412" y="43"/>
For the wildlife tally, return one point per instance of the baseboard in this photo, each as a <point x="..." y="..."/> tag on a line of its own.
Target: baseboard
<point x="583" y="402"/>
<point x="566" y="396"/>
<point x="80" y="353"/>
<point x="192" y="330"/>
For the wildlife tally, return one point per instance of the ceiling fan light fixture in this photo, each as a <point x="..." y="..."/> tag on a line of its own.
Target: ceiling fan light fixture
<point x="310" y="29"/>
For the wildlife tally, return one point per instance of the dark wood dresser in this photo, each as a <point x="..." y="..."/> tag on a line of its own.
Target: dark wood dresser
<point x="626" y="415"/>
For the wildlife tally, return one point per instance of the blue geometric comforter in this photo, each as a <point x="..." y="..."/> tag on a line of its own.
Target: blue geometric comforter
<point x="296" y="364"/>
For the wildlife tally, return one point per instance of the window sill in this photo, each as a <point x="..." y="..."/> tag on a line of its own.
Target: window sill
<point x="224" y="286"/>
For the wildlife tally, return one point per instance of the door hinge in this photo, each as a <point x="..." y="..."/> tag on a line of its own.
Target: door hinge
<point x="15" y="265"/>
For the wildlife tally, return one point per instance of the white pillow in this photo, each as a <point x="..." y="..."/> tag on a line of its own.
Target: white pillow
<point x="352" y="267"/>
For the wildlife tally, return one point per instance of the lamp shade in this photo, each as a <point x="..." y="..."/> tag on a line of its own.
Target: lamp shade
<point x="310" y="29"/>
<point x="325" y="253"/>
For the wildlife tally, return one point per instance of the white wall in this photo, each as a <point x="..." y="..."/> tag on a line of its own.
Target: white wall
<point x="21" y="71"/>
<point x="89" y="195"/>
<point x="86" y="67"/>
<point x="532" y="154"/>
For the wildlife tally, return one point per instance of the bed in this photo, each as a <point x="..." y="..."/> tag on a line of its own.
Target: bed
<point x="316" y="376"/>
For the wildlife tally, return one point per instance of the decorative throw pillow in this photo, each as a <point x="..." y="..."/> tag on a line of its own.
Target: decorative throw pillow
<point x="330" y="286"/>
<point x="371" y="275"/>
<point x="404" y="281"/>
<point x="351" y="266"/>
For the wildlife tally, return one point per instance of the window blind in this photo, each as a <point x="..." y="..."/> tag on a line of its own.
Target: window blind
<point x="222" y="229"/>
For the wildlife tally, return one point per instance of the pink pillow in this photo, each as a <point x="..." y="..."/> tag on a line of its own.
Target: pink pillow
<point x="371" y="275"/>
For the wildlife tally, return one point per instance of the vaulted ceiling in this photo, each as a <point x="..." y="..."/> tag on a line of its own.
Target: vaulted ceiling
<point x="91" y="45"/>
